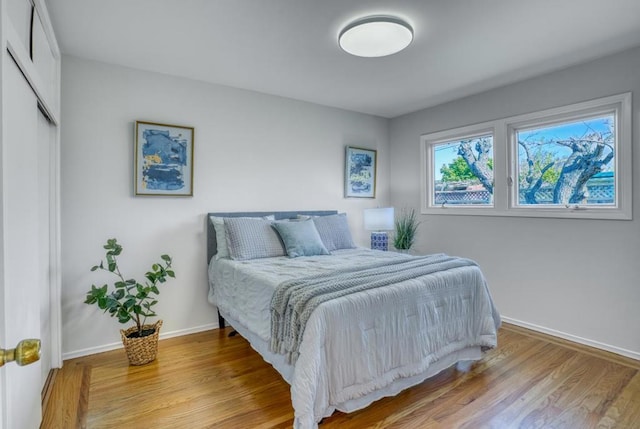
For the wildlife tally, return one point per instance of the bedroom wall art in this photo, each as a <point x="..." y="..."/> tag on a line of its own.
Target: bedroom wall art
<point x="163" y="159"/>
<point x="360" y="173"/>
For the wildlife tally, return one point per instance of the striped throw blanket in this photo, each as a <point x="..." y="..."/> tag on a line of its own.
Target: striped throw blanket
<point x="294" y="300"/>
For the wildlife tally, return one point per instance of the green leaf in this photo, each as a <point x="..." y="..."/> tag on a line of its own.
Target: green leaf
<point x="95" y="267"/>
<point x="111" y="302"/>
<point x="166" y="258"/>
<point x="123" y="316"/>
<point x="148" y="304"/>
<point x="170" y="273"/>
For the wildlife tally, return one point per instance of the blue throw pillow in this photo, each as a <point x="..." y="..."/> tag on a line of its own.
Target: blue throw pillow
<point x="300" y="238"/>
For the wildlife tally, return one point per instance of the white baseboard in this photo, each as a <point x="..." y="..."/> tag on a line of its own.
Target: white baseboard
<point x="598" y="345"/>
<point x="118" y="345"/>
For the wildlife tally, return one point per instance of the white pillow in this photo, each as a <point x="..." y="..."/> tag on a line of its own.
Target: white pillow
<point x="222" y="250"/>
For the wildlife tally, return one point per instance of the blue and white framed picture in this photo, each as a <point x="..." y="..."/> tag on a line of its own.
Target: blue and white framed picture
<point x="360" y="173"/>
<point x="163" y="159"/>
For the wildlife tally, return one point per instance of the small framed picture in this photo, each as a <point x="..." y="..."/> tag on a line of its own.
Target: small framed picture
<point x="163" y="159"/>
<point x="360" y="173"/>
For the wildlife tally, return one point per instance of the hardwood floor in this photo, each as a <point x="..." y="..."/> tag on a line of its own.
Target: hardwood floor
<point x="208" y="380"/>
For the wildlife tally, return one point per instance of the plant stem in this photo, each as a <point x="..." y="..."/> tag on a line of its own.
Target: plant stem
<point x="129" y="287"/>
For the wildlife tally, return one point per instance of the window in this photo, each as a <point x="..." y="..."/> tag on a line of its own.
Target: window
<point x="573" y="161"/>
<point x="567" y="163"/>
<point x="463" y="171"/>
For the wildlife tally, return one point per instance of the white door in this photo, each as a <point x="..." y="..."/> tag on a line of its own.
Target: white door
<point x="20" y="386"/>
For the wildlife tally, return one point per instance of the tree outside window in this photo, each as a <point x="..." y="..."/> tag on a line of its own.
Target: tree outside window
<point x="568" y="163"/>
<point x="466" y="172"/>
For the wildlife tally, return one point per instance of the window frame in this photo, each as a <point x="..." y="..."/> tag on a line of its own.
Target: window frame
<point x="505" y="162"/>
<point x="428" y="167"/>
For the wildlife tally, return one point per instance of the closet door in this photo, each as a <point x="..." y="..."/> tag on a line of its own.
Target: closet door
<point x="20" y="254"/>
<point x="45" y="144"/>
<point x="29" y="210"/>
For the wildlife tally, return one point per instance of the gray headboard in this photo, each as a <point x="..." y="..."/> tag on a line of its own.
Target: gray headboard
<point x="212" y="244"/>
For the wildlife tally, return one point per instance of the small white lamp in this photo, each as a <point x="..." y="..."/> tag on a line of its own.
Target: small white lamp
<point x="379" y="220"/>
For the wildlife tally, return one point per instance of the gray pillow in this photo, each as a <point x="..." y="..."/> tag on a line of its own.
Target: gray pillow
<point x="300" y="238"/>
<point x="249" y="238"/>
<point x="222" y="250"/>
<point x="334" y="231"/>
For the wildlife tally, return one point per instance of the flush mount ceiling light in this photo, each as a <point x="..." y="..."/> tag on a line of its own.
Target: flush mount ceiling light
<point x="375" y="36"/>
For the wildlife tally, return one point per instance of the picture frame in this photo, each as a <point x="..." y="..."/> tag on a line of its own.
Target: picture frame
<point x="163" y="159"/>
<point x="360" y="172"/>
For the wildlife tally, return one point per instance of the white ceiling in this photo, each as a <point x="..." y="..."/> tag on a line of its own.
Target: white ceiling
<point x="289" y="47"/>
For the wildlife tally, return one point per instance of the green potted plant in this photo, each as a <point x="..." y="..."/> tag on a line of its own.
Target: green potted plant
<point x="406" y="227"/>
<point x="132" y="300"/>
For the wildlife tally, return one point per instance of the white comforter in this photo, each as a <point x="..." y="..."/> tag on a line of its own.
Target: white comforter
<point x="361" y="347"/>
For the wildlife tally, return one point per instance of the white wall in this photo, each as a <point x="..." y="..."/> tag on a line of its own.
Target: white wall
<point x="252" y="152"/>
<point x="575" y="278"/>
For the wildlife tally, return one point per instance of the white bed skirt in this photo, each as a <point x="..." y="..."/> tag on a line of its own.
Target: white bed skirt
<point x="287" y="371"/>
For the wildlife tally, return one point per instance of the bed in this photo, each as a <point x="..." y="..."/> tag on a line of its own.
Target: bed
<point x="404" y="319"/>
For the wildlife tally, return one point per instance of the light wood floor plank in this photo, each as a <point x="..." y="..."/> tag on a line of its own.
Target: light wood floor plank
<point x="208" y="380"/>
<point x="67" y="406"/>
<point x="625" y="410"/>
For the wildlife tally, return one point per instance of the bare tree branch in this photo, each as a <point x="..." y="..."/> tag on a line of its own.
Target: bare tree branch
<point x="585" y="162"/>
<point x="479" y="165"/>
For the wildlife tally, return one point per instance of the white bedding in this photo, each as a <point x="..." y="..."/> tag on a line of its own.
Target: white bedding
<point x="361" y="347"/>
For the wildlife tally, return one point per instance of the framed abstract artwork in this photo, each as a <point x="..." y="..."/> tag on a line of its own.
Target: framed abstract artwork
<point x="360" y="173"/>
<point x="163" y="159"/>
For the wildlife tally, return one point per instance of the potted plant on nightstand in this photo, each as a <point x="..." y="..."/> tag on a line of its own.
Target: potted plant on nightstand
<point x="132" y="300"/>
<point x="406" y="227"/>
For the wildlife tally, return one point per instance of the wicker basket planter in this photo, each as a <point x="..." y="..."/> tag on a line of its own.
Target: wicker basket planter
<point x="141" y="350"/>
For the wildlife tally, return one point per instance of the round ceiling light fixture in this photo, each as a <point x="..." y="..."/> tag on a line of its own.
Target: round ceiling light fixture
<point x="375" y="36"/>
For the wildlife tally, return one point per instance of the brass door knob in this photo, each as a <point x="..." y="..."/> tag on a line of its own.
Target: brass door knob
<point x="26" y="352"/>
